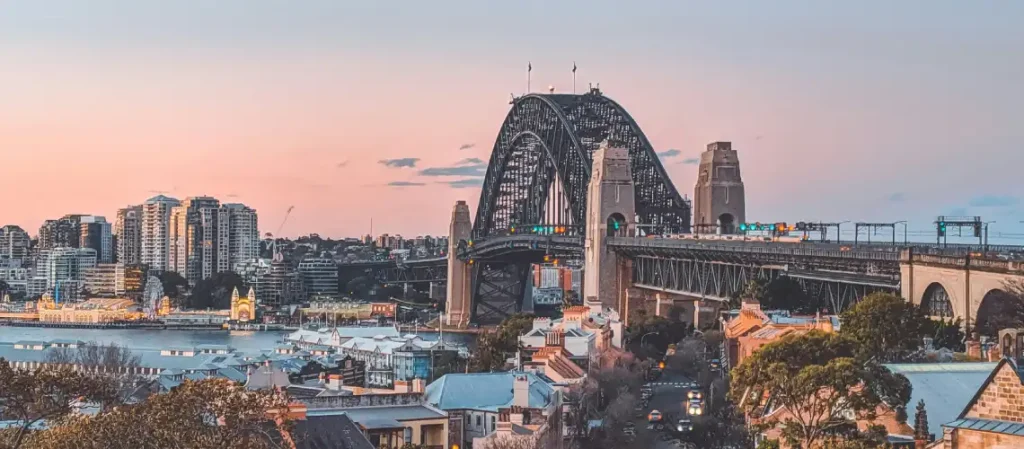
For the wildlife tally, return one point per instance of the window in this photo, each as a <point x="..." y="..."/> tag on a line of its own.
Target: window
<point x="478" y="421"/>
<point x="493" y="424"/>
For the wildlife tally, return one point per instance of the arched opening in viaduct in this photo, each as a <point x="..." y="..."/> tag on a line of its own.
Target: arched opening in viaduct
<point x="998" y="310"/>
<point x="935" y="301"/>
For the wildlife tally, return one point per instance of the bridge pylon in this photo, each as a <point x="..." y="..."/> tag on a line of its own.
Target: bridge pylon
<point x="459" y="307"/>
<point x="611" y="211"/>
<point x="718" y="202"/>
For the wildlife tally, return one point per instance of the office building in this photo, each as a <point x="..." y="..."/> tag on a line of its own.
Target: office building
<point x="244" y="235"/>
<point x="95" y="232"/>
<point x="60" y="233"/>
<point x="155" y="233"/>
<point x="14" y="242"/>
<point x="128" y="233"/>
<point x="319" y="276"/>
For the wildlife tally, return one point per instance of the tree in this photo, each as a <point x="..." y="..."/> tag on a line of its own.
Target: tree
<point x="213" y="413"/>
<point x="494" y="348"/>
<point x="112" y="362"/>
<point x="884" y="326"/>
<point x="215" y="291"/>
<point x="660" y="333"/>
<point x="785" y="293"/>
<point x="44" y="395"/>
<point x="947" y="334"/>
<point x="921" y="423"/>
<point x="817" y="379"/>
<point x="173" y="284"/>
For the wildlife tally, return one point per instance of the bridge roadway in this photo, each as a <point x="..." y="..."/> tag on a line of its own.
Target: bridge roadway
<point x="839" y="273"/>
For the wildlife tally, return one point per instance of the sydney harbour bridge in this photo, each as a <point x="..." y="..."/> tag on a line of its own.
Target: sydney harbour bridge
<point x="534" y="206"/>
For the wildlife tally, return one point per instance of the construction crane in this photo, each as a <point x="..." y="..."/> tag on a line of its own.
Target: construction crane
<point x="287" y="213"/>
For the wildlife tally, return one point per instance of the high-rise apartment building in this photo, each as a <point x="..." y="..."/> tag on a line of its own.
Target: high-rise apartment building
<point x="279" y="286"/>
<point x="200" y="235"/>
<point x="154" y="236"/>
<point x="128" y="232"/>
<point x="61" y="233"/>
<point x="65" y="269"/>
<point x="14" y="242"/>
<point x="95" y="232"/>
<point x="244" y="235"/>
<point x="114" y="280"/>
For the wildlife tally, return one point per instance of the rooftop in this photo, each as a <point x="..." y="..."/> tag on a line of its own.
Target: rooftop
<point x="946" y="388"/>
<point x="484" y="391"/>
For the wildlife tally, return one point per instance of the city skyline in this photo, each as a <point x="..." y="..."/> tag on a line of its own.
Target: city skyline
<point x="285" y="107"/>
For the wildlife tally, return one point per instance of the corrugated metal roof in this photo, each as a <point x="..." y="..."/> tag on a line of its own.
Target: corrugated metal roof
<point x="946" y="388"/>
<point x="484" y="391"/>
<point x="988" y="425"/>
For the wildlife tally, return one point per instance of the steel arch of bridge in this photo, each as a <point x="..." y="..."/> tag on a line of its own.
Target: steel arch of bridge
<point x="550" y="139"/>
<point x="546" y="145"/>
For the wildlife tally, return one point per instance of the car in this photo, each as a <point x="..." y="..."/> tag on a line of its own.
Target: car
<point x="629" y="431"/>
<point x="693" y="395"/>
<point x="684" y="425"/>
<point x="716" y="365"/>
<point x="695" y="409"/>
<point x="654" y="416"/>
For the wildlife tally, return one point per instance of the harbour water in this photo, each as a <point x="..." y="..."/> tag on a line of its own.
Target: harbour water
<point x="157" y="339"/>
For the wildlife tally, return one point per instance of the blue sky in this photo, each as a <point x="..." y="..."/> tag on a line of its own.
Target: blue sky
<point x="864" y="110"/>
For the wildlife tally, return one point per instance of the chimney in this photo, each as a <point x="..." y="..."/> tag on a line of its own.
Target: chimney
<point x="521" y="390"/>
<point x="334" y="381"/>
<point x="323" y="377"/>
<point x="974" y="347"/>
<point x="515" y="415"/>
<point x="555" y="338"/>
<point x="402" y="386"/>
<point x="419" y="385"/>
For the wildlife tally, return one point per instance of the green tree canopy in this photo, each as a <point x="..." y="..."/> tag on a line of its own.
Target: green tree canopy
<point x="215" y="291"/>
<point x="885" y="327"/>
<point x="816" y="377"/>
<point x="174" y="285"/>
<point x="494" y="348"/>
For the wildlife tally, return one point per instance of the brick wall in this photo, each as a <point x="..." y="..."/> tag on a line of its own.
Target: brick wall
<point x="1003" y="399"/>
<point x="974" y="439"/>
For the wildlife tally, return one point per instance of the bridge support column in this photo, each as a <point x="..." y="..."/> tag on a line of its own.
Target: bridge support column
<point x="610" y="212"/>
<point x="459" y="307"/>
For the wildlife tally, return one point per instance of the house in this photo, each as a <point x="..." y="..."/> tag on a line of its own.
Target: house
<point x="475" y="402"/>
<point x="394" y="358"/>
<point x="994" y="417"/>
<point x="945" y="388"/>
<point x="750" y="328"/>
<point x="584" y="331"/>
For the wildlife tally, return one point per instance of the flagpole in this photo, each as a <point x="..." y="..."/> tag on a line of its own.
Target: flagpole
<point x="529" y="73"/>
<point x="574" y="77"/>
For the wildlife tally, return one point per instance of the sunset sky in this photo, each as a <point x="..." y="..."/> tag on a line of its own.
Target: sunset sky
<point x="869" y="110"/>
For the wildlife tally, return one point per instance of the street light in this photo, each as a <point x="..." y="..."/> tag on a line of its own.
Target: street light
<point x="645" y="336"/>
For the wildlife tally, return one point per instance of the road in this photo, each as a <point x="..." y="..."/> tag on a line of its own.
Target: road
<point x="670" y="399"/>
